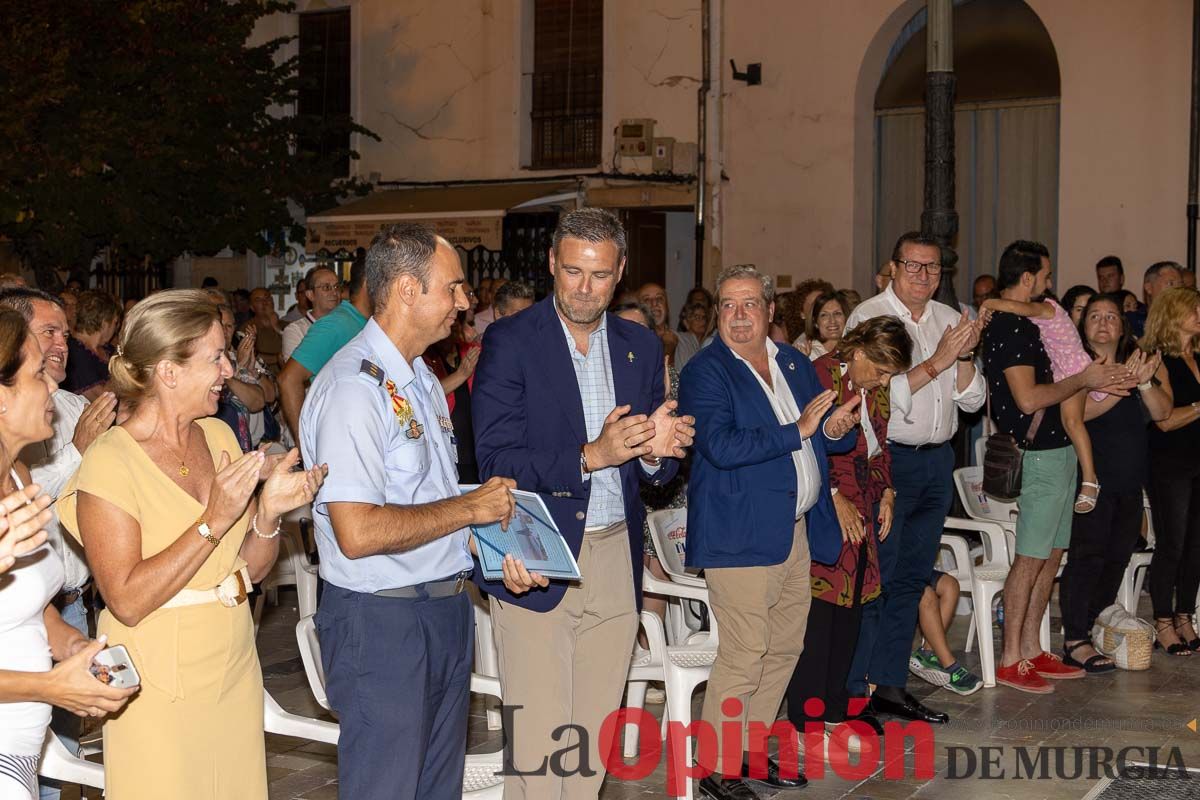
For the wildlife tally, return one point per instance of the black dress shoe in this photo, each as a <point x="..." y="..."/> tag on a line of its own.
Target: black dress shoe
<point x="870" y="719"/>
<point x="773" y="778"/>
<point x="910" y="708"/>
<point x="720" y="789"/>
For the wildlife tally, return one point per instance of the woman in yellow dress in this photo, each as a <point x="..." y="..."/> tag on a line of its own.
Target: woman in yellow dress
<point x="164" y="505"/>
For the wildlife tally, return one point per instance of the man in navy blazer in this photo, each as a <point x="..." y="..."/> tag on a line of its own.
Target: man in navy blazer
<point x="759" y="503"/>
<point x="568" y="401"/>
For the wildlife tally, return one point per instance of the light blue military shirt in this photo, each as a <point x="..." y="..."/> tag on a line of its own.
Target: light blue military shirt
<point x="384" y="429"/>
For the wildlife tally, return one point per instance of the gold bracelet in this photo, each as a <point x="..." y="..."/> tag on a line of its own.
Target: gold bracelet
<point x="205" y="532"/>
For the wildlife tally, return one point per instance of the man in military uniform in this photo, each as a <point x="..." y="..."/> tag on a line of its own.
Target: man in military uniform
<point x="395" y="627"/>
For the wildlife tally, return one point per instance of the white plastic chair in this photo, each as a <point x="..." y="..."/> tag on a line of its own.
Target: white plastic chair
<point x="984" y="582"/>
<point x="310" y="657"/>
<point x="487" y="658"/>
<point x="292" y="568"/>
<point x="285" y="723"/>
<point x="668" y="531"/>
<point x="981" y="506"/>
<point x="680" y="668"/>
<point x="480" y="778"/>
<point x="1139" y="567"/>
<point x="58" y="764"/>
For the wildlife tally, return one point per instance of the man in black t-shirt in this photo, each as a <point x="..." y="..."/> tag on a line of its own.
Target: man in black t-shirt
<point x="1023" y="393"/>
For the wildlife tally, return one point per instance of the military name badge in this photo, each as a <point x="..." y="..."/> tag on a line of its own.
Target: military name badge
<point x="447" y="427"/>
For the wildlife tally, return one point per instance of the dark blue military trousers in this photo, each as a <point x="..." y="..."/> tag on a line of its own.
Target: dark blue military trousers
<point x="398" y="675"/>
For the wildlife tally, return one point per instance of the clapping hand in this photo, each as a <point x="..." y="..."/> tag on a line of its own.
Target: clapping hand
<point x="469" y="361"/>
<point x="245" y="350"/>
<point x="1115" y="379"/>
<point x="844" y="418"/>
<point x="814" y="412"/>
<point x="232" y="487"/>
<point x="622" y="438"/>
<point x="956" y="341"/>
<point x="672" y="435"/>
<point x="25" y="515"/>
<point x="1143" y="366"/>
<point x="95" y="420"/>
<point x="287" y="488"/>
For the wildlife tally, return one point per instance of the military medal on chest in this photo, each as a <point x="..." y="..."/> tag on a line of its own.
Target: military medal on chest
<point x="404" y="412"/>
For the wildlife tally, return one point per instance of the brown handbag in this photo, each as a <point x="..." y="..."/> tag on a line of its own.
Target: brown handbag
<point x="1002" y="459"/>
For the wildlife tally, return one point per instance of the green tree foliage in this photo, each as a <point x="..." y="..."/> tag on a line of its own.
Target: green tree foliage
<point x="154" y="126"/>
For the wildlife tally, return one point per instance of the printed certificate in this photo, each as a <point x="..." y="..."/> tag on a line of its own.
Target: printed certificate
<point x="532" y="537"/>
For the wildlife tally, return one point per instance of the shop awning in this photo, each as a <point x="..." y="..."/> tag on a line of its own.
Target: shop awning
<point x="467" y="216"/>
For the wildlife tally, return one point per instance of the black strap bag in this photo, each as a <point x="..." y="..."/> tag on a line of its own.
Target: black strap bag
<point x="1002" y="459"/>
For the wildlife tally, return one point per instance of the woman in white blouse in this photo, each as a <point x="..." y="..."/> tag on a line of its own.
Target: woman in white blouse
<point x="32" y="634"/>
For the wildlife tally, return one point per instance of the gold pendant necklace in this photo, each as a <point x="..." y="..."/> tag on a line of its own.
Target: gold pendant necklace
<point x="183" y="467"/>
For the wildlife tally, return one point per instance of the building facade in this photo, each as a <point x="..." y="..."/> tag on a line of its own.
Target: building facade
<point x="801" y="169"/>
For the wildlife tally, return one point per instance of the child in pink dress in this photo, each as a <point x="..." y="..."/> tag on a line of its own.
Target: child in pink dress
<point x="1067" y="358"/>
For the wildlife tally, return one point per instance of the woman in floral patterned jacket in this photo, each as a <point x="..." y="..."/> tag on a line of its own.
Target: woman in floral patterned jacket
<point x="864" y="362"/>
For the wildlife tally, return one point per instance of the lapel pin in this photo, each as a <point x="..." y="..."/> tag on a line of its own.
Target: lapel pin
<point x="630" y="356"/>
<point x="792" y="365"/>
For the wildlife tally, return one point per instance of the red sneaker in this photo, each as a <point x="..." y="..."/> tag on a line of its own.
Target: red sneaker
<point x="1023" y="676"/>
<point x="1049" y="665"/>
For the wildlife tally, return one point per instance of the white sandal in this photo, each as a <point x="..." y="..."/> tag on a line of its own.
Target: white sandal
<point x="1084" y="504"/>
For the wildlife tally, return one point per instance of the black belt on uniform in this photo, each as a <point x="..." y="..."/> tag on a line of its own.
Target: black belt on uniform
<point x="916" y="447"/>
<point x="430" y="590"/>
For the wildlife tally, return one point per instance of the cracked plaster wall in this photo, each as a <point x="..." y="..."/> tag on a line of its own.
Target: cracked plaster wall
<point x="799" y="149"/>
<point x="442" y="81"/>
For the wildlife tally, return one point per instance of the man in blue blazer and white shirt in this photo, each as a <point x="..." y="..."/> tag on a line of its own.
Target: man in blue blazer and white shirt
<point x="568" y="401"/>
<point x="759" y="506"/>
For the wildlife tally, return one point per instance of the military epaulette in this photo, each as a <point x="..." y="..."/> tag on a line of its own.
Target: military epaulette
<point x="373" y="371"/>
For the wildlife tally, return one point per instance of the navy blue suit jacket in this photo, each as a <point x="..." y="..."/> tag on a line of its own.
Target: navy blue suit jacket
<point x="742" y="488"/>
<point x="529" y="426"/>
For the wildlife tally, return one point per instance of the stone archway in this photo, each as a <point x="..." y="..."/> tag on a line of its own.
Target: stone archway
<point x="1006" y="131"/>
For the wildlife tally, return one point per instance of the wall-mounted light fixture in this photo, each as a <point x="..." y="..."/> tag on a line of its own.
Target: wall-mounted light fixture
<point x="752" y="76"/>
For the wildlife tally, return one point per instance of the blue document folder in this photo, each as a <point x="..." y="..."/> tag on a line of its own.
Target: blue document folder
<point x="532" y="537"/>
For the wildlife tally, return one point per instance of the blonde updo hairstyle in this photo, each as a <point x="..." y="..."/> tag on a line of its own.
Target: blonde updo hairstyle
<point x="166" y="327"/>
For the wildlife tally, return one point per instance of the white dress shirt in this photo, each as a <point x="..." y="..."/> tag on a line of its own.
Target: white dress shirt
<point x="930" y="416"/>
<point x="293" y="334"/>
<point x="52" y="463"/>
<point x="783" y="403"/>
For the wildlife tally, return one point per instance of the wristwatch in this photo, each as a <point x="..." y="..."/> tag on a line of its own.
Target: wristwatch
<point x="967" y="356"/>
<point x="206" y="532"/>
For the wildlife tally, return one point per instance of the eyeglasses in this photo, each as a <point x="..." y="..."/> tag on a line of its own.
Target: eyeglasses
<point x="326" y="287"/>
<point x="913" y="267"/>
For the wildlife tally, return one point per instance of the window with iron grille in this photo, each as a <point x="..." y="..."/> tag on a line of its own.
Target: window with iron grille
<point x="324" y="94"/>
<point x="568" y="88"/>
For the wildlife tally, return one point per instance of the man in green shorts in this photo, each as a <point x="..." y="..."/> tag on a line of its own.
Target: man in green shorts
<point x="326" y="336"/>
<point x="1025" y="404"/>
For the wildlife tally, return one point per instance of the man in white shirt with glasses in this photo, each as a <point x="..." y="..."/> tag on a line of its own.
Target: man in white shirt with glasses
<point x="925" y="404"/>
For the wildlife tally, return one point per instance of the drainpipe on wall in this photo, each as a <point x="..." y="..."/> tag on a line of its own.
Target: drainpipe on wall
<point x="702" y="138"/>
<point x="940" y="219"/>
<point x="1193" y="209"/>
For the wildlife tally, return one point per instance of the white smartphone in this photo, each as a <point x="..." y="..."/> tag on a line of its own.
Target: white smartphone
<point x="113" y="666"/>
